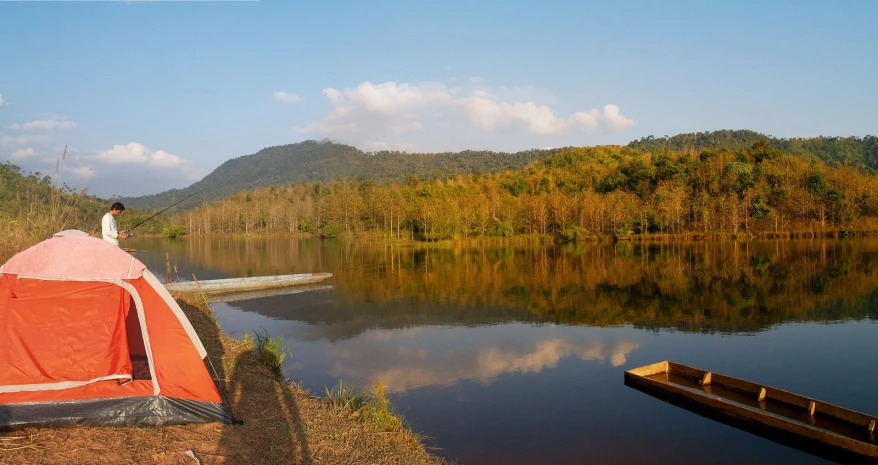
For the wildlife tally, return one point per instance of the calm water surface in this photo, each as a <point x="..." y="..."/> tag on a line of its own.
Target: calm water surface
<point x="515" y="355"/>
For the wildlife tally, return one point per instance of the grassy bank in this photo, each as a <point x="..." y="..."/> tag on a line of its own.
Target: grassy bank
<point x="283" y="424"/>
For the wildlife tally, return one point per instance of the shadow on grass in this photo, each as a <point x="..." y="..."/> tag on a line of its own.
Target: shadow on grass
<point x="272" y="431"/>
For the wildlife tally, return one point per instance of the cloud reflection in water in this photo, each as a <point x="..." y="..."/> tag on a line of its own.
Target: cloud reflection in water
<point x="417" y="357"/>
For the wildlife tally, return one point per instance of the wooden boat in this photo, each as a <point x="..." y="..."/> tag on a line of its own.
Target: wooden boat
<point x="215" y="286"/>
<point x="810" y="425"/>
<point x="227" y="297"/>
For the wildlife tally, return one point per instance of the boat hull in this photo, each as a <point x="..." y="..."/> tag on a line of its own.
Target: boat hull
<point x="219" y="286"/>
<point x="800" y="429"/>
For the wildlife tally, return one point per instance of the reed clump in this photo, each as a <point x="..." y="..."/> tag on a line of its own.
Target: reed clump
<point x="272" y="350"/>
<point x="373" y="408"/>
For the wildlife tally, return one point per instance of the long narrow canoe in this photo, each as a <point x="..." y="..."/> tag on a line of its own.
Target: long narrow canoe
<point x="216" y="286"/>
<point x="810" y="425"/>
<point x="227" y="297"/>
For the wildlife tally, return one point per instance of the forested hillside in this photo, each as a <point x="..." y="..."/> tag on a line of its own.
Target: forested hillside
<point x="575" y="194"/>
<point x="33" y="207"/>
<point x="861" y="153"/>
<point x="313" y="161"/>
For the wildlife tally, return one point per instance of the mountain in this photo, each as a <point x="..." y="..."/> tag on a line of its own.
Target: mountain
<point x="860" y="153"/>
<point x="313" y="161"/>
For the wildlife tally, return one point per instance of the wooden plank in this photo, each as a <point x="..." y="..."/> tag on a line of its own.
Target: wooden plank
<point x="687" y="371"/>
<point x="651" y="370"/>
<point x="705" y="380"/>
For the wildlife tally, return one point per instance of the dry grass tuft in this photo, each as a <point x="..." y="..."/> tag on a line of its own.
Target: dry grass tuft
<point x="283" y="424"/>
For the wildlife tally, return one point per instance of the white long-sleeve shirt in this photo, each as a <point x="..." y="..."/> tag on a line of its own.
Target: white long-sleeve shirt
<point x="108" y="229"/>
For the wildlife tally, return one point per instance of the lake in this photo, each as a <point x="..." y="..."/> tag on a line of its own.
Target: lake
<point x="515" y="354"/>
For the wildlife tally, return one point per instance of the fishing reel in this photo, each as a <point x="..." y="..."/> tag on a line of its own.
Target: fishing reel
<point x="128" y="233"/>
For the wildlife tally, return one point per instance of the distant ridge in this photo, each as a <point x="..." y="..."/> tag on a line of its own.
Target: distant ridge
<point x="312" y="161"/>
<point x="860" y="153"/>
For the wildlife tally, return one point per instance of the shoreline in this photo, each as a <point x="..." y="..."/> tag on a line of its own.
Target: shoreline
<point x="383" y="239"/>
<point x="283" y="423"/>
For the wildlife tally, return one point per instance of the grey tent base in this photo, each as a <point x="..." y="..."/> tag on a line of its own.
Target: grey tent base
<point x="120" y="411"/>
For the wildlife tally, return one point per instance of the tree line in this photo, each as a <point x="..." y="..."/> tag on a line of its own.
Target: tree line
<point x="575" y="194"/>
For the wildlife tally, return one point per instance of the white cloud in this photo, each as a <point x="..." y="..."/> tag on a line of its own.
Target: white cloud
<point x="43" y="124"/>
<point x="287" y="98"/>
<point x="130" y="169"/>
<point x="3" y="103"/>
<point x="134" y="153"/>
<point x="614" y="117"/>
<point x="23" y="140"/>
<point x="334" y="96"/>
<point x="84" y="172"/>
<point x="395" y="109"/>
<point x="381" y="146"/>
<point x="22" y="153"/>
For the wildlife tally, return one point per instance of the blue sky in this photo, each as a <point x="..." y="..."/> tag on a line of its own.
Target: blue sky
<point x="153" y="95"/>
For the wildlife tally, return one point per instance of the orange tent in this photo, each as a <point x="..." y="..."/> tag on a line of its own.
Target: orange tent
<point x="88" y="337"/>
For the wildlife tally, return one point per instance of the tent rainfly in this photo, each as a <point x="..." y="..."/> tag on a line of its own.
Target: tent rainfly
<point x="89" y="337"/>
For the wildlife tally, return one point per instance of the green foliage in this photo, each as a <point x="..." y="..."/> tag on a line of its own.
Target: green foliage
<point x="332" y="229"/>
<point x="861" y="153"/>
<point x="309" y="226"/>
<point x="171" y="231"/>
<point x="500" y="229"/>
<point x="272" y="350"/>
<point x="575" y="234"/>
<point x="379" y="411"/>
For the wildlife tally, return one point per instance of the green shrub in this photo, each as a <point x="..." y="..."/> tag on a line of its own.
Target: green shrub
<point x="175" y="231"/>
<point x="332" y="229"/>
<point x="574" y="234"/>
<point x="500" y="229"/>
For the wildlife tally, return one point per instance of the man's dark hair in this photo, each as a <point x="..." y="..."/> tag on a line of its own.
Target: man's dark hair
<point x="118" y="206"/>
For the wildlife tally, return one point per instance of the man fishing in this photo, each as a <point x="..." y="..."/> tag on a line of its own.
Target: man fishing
<point x="109" y="230"/>
<point x="108" y="223"/>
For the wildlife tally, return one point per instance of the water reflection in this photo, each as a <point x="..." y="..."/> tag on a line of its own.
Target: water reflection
<point x="413" y="358"/>
<point x="515" y="354"/>
<point x="728" y="287"/>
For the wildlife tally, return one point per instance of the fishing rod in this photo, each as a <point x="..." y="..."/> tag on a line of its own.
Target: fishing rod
<point x="128" y="231"/>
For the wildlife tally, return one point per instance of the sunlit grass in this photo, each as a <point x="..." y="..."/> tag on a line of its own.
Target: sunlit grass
<point x="373" y="408"/>
<point x="271" y="349"/>
<point x="346" y="398"/>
